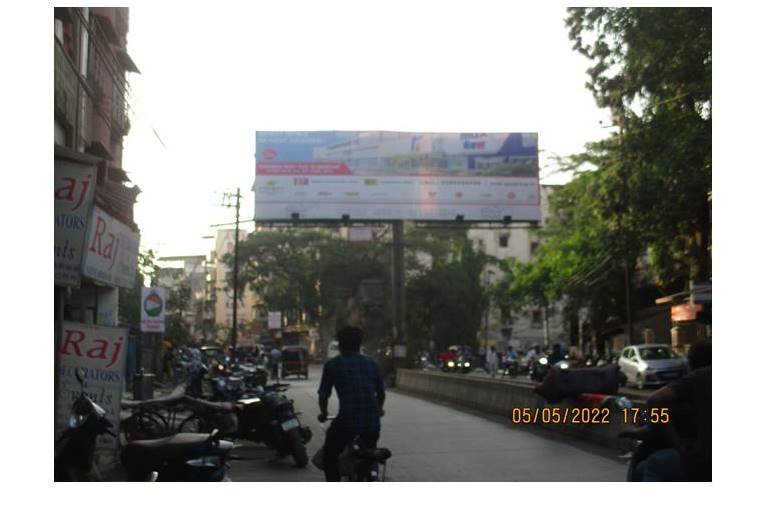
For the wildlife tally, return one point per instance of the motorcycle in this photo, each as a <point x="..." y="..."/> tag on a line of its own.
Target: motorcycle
<point x="544" y="364"/>
<point x="74" y="450"/>
<point x="464" y="365"/>
<point x="358" y="463"/>
<point x="180" y="457"/>
<point x="268" y="418"/>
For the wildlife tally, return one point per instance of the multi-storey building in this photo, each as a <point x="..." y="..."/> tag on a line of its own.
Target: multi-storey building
<point x="534" y="325"/>
<point x="96" y="240"/>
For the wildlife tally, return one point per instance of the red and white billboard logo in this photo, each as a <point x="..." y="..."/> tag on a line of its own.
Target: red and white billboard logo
<point x="270" y="154"/>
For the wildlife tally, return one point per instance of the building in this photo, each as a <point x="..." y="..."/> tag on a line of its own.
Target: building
<point x="534" y="326"/>
<point x="249" y="317"/>
<point x="189" y="270"/>
<point x="96" y="240"/>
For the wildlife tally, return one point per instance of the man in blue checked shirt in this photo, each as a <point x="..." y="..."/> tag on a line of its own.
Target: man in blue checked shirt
<point x="360" y="389"/>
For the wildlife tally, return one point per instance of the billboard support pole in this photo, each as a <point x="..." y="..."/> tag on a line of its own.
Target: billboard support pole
<point x="398" y="289"/>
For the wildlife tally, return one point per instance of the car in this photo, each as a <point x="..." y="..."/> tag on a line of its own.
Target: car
<point x="651" y="364"/>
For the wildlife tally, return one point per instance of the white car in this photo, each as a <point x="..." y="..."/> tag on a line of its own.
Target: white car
<point x="651" y="364"/>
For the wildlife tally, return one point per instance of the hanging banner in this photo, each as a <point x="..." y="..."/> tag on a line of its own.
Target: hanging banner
<point x="111" y="250"/>
<point x="101" y="352"/>
<point x="386" y="175"/>
<point x="73" y="189"/>
<point x="153" y="309"/>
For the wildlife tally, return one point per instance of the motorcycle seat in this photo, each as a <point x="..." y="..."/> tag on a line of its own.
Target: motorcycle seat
<point x="374" y="454"/>
<point x="173" y="399"/>
<point x="167" y="448"/>
<point x="220" y="406"/>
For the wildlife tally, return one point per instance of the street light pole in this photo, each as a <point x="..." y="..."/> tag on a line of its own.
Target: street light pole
<point x="235" y="264"/>
<point x="488" y="275"/>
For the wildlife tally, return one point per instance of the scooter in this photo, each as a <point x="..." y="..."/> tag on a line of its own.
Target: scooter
<point x="74" y="450"/>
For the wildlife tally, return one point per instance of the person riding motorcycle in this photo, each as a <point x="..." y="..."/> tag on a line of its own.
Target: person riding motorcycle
<point x="687" y="455"/>
<point x="360" y="389"/>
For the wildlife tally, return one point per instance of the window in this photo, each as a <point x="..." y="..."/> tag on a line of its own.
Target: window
<point x="503" y="240"/>
<point x="536" y="319"/>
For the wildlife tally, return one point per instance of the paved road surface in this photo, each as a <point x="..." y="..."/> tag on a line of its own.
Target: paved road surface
<point x="434" y="442"/>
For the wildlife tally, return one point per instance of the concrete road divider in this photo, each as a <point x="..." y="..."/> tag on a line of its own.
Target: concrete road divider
<point x="596" y="419"/>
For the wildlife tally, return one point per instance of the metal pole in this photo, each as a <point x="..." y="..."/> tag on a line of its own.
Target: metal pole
<point x="627" y="292"/>
<point x="398" y="283"/>
<point x="234" y="271"/>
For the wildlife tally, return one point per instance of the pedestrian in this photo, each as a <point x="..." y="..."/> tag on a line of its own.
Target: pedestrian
<point x="274" y="361"/>
<point x="492" y="361"/>
<point x="360" y="389"/>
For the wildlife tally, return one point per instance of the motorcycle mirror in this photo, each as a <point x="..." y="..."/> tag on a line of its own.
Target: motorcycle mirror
<point x="80" y="375"/>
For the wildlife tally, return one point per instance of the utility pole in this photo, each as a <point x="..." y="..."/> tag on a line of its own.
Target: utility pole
<point x="398" y="293"/>
<point x="235" y="262"/>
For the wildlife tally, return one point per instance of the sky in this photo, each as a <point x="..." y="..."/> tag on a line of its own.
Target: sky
<point x="211" y="76"/>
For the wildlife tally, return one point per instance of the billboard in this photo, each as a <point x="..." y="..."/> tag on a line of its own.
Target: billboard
<point x="153" y="309"/>
<point x="384" y="175"/>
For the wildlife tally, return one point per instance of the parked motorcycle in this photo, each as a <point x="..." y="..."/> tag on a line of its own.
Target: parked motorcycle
<point x="181" y="457"/>
<point x="74" y="450"/>
<point x="268" y="418"/>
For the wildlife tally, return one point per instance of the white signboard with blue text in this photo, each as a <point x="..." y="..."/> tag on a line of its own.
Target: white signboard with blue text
<point x="73" y="189"/>
<point x="383" y="175"/>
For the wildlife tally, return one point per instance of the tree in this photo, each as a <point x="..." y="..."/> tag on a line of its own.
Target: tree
<point x="445" y="297"/>
<point x="653" y="69"/>
<point x="129" y="299"/>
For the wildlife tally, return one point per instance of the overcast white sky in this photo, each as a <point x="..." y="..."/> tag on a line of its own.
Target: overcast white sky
<point x="212" y="76"/>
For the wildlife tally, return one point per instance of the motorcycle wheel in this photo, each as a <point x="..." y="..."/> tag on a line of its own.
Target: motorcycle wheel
<point x="194" y="425"/>
<point x="297" y="448"/>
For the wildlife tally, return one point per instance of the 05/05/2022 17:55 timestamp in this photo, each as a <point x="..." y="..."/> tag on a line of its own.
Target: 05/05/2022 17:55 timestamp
<point x="588" y="416"/>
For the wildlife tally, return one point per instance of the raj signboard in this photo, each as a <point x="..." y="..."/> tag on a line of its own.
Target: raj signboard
<point x="73" y="189"/>
<point x="111" y="250"/>
<point x="153" y="309"/>
<point x="382" y="175"/>
<point x="101" y="352"/>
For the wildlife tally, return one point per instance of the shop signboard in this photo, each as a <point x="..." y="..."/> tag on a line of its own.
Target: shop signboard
<point x="111" y="251"/>
<point x="101" y="352"/>
<point x="73" y="190"/>
<point x="153" y="309"/>
<point x="382" y="175"/>
<point x="274" y="320"/>
<point x="685" y="312"/>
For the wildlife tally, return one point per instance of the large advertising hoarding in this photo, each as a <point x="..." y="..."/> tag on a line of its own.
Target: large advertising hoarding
<point x="383" y="175"/>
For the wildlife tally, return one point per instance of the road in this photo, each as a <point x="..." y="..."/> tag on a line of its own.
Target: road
<point x="434" y="442"/>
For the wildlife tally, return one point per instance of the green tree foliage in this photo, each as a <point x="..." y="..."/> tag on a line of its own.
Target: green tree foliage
<point x="638" y="197"/>
<point x="129" y="301"/>
<point x="311" y="272"/>
<point x="652" y="67"/>
<point x="444" y="294"/>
